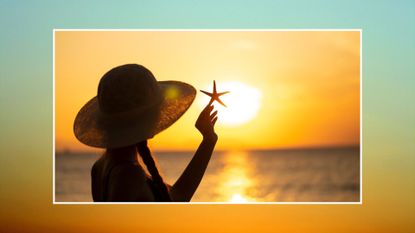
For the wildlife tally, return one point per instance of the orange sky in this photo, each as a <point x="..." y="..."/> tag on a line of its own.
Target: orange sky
<point x="308" y="81"/>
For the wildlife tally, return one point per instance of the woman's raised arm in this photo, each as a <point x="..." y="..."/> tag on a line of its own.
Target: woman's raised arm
<point x="186" y="185"/>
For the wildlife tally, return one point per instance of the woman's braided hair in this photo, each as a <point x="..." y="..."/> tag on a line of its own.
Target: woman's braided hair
<point x="148" y="160"/>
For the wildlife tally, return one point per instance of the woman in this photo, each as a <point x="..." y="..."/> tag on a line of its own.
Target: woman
<point x="131" y="107"/>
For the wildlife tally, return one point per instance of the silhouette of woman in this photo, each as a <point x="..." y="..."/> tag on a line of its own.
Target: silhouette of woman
<point x="131" y="107"/>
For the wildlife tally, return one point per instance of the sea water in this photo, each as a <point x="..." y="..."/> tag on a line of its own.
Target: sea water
<point x="292" y="175"/>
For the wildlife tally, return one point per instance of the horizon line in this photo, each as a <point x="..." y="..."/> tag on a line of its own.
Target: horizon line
<point x="320" y="147"/>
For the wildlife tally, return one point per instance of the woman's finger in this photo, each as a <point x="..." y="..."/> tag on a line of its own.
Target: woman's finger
<point x="209" y="110"/>
<point x="214" y="121"/>
<point x="211" y="101"/>
<point x="213" y="114"/>
<point x="209" y="107"/>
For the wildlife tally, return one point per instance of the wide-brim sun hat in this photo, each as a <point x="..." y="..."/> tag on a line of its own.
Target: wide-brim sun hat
<point x="131" y="106"/>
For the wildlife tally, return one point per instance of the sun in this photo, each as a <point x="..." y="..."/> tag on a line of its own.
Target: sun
<point x="243" y="103"/>
<point x="238" y="198"/>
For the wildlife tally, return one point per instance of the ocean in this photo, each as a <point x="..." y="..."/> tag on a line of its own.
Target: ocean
<point x="291" y="175"/>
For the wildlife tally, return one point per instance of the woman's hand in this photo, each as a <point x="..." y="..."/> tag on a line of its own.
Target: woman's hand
<point x="206" y="121"/>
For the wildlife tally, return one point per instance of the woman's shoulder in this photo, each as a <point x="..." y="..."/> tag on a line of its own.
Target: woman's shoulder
<point x="97" y="167"/>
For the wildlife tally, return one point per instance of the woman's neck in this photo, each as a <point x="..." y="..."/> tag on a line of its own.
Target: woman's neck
<point x="125" y="153"/>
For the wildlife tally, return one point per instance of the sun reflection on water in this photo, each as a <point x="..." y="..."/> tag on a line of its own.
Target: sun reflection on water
<point x="236" y="181"/>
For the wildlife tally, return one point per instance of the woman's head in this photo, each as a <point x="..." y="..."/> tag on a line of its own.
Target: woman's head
<point x="126" y="88"/>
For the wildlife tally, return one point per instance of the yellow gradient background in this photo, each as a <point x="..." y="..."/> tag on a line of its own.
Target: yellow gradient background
<point x="26" y="117"/>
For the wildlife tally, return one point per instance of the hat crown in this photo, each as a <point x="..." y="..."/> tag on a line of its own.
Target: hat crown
<point x="127" y="87"/>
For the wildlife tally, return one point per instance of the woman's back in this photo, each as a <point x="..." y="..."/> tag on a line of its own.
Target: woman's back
<point x="120" y="179"/>
<point x="99" y="179"/>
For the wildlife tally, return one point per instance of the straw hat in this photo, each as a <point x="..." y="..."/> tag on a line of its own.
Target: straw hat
<point x="131" y="106"/>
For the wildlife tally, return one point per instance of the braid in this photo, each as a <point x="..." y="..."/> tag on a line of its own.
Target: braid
<point x="148" y="160"/>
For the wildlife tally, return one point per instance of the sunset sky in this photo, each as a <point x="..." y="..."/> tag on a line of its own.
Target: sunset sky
<point x="301" y="88"/>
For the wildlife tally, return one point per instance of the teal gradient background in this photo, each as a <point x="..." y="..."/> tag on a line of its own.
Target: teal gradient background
<point x="388" y="115"/>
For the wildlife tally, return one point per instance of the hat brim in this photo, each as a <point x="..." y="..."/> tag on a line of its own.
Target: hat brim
<point x="93" y="128"/>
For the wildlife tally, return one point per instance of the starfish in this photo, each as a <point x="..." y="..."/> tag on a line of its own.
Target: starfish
<point x="215" y="95"/>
